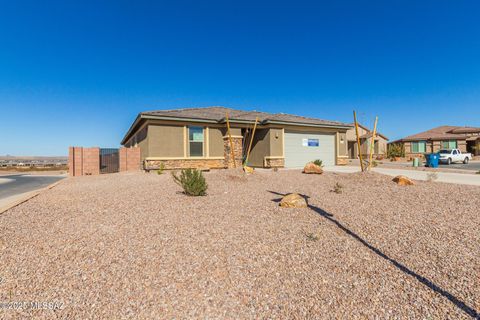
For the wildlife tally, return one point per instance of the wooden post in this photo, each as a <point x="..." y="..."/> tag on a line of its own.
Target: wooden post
<point x="372" y="143"/>
<point x="231" y="142"/>
<point x="251" y="141"/>
<point x="358" y="140"/>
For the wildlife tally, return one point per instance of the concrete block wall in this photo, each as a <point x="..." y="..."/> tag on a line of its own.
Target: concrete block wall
<point x="130" y="159"/>
<point x="83" y="161"/>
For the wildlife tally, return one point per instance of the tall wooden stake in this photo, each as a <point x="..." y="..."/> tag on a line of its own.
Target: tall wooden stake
<point x="358" y="140"/>
<point x="372" y="143"/>
<point x="251" y="141"/>
<point x="231" y="142"/>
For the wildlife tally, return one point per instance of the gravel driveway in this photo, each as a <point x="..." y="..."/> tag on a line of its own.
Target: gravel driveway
<point x="132" y="246"/>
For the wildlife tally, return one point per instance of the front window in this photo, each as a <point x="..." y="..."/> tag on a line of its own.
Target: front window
<point x="449" y="144"/>
<point x="419" y="147"/>
<point x="195" y="141"/>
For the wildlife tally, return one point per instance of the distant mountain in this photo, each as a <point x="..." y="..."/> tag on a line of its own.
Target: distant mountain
<point x="30" y="158"/>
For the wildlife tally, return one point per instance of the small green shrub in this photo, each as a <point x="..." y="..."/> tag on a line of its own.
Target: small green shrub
<point x="318" y="162"/>
<point x="161" y="168"/>
<point x="192" y="181"/>
<point x="396" y="150"/>
<point x="338" y="188"/>
<point x="311" y="237"/>
<point x="374" y="163"/>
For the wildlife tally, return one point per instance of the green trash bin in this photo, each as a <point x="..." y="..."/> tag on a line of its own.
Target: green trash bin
<point x="415" y="162"/>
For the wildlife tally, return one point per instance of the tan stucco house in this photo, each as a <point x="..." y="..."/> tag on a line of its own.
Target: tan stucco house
<point x="379" y="146"/>
<point x="197" y="138"/>
<point x="467" y="139"/>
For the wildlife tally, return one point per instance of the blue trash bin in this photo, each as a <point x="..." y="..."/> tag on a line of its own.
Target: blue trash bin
<point x="432" y="160"/>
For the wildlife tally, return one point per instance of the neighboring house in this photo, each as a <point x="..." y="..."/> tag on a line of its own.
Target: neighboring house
<point x="379" y="147"/>
<point x="197" y="138"/>
<point x="467" y="139"/>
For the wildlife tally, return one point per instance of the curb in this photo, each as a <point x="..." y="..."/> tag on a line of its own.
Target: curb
<point x="27" y="196"/>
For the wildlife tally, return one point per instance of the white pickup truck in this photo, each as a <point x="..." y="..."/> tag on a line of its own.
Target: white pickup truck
<point x="454" y="155"/>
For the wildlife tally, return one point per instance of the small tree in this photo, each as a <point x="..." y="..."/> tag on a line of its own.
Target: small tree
<point x="396" y="150"/>
<point x="192" y="181"/>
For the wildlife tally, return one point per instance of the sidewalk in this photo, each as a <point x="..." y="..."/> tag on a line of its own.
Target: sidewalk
<point x="448" y="177"/>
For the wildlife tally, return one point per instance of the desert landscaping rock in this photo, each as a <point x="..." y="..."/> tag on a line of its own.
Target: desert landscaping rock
<point x="248" y="170"/>
<point x="403" y="181"/>
<point x="133" y="246"/>
<point x="312" y="168"/>
<point x="293" y="200"/>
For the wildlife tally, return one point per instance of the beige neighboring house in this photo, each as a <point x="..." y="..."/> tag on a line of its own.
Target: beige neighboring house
<point x="466" y="139"/>
<point x="197" y="138"/>
<point x="380" y="142"/>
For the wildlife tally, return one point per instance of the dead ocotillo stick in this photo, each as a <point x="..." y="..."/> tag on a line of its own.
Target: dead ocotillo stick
<point x="358" y="140"/>
<point x="372" y="143"/>
<point x="251" y="141"/>
<point x="231" y="142"/>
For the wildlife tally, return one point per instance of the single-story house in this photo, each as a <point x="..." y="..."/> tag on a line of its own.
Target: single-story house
<point x="198" y="138"/>
<point x="379" y="146"/>
<point x="467" y="139"/>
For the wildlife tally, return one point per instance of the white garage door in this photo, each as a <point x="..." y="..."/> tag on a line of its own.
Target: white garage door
<point x="303" y="147"/>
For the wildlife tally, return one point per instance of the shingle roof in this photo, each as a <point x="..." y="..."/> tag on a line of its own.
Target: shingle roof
<point x="218" y="114"/>
<point x="465" y="130"/>
<point x="442" y="132"/>
<point x="369" y="133"/>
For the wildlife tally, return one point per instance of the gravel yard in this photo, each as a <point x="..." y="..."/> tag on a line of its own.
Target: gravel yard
<point x="133" y="246"/>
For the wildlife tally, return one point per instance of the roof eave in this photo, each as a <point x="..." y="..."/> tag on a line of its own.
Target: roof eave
<point x="154" y="117"/>
<point x="303" y="124"/>
<point x="224" y="120"/>
<point x="134" y="124"/>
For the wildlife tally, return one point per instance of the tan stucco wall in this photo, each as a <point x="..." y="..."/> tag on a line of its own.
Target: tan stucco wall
<point x="276" y="142"/>
<point x="351" y="135"/>
<point x="140" y="139"/>
<point x="215" y="142"/>
<point x="342" y="144"/>
<point x="260" y="147"/>
<point x="165" y="141"/>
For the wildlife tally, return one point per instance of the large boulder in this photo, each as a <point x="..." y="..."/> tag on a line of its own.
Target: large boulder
<point x="312" y="168"/>
<point x="403" y="181"/>
<point x="293" y="200"/>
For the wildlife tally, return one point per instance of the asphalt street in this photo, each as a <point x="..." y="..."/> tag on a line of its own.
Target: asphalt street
<point x="473" y="166"/>
<point x="12" y="185"/>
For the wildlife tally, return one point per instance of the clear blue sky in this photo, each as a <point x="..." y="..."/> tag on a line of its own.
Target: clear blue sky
<point x="77" y="73"/>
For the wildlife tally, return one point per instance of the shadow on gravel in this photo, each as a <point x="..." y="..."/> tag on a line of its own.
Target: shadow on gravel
<point x="457" y="302"/>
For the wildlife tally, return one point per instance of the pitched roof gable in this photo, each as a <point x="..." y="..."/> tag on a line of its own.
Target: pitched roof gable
<point x="217" y="114"/>
<point x="441" y="132"/>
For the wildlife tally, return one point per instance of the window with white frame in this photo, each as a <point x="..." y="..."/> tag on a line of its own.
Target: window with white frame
<point x="195" y="141"/>
<point x="449" y="144"/>
<point x="419" y="147"/>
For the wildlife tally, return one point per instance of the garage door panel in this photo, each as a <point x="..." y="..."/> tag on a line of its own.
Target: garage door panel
<point x="301" y="147"/>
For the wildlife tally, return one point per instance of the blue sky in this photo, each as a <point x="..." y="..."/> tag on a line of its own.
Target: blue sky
<point x="77" y="73"/>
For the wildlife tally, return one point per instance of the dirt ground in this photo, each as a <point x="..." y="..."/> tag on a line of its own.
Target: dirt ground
<point x="133" y="246"/>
